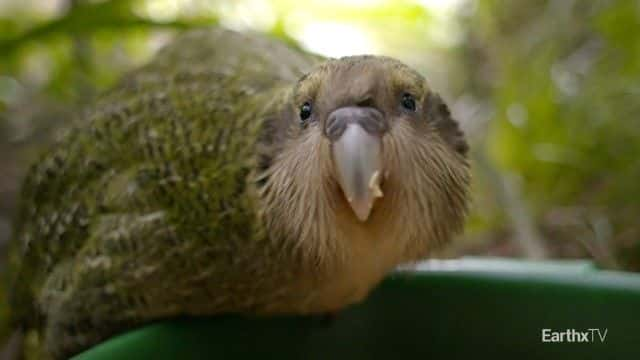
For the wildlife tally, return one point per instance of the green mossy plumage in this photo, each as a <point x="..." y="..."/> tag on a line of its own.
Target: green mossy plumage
<point x="125" y="200"/>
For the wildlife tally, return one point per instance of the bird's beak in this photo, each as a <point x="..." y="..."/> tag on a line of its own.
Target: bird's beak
<point x="358" y="158"/>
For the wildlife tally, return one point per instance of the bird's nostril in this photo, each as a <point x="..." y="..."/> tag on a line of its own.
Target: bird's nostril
<point x="335" y="126"/>
<point x="369" y="118"/>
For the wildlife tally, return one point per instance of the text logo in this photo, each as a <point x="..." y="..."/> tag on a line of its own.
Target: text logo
<point x="574" y="336"/>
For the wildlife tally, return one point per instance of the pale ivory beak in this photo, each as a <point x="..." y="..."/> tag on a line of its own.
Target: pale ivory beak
<point x="358" y="158"/>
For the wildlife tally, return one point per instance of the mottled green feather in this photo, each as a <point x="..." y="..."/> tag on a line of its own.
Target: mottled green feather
<point x="148" y="197"/>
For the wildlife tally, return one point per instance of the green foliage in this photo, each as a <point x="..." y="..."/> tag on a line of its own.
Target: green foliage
<point x="84" y="49"/>
<point x="566" y="105"/>
<point x="88" y="17"/>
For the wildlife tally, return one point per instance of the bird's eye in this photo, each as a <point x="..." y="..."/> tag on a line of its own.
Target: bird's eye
<point x="305" y="111"/>
<point x="408" y="102"/>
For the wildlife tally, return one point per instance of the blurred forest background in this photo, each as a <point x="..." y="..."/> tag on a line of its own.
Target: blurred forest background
<point x="547" y="91"/>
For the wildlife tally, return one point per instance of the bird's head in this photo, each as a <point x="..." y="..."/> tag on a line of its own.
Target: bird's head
<point x="369" y="146"/>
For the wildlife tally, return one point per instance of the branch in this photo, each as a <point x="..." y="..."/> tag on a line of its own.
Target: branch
<point x="90" y="17"/>
<point x="509" y="195"/>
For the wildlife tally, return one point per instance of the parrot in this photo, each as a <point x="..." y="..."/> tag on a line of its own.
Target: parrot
<point x="233" y="174"/>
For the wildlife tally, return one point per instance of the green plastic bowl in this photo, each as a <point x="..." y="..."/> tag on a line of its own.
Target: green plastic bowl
<point x="472" y="308"/>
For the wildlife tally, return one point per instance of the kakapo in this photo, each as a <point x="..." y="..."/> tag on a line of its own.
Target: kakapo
<point x="234" y="174"/>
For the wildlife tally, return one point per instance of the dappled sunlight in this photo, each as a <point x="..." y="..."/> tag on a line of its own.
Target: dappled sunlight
<point x="336" y="40"/>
